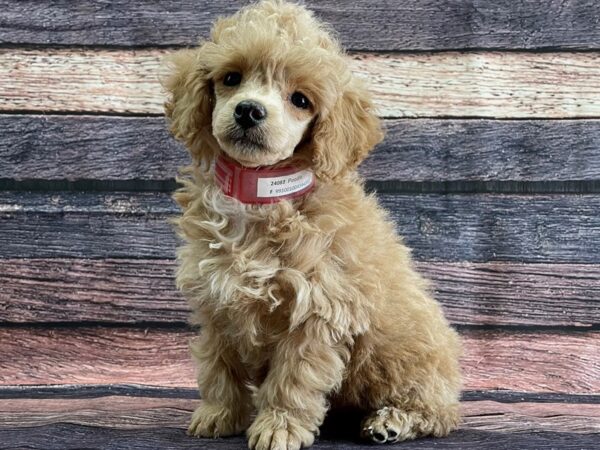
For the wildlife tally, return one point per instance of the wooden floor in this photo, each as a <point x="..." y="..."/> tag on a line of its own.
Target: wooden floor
<point x="136" y="417"/>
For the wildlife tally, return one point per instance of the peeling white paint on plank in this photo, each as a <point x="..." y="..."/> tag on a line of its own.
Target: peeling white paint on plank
<point x="449" y="84"/>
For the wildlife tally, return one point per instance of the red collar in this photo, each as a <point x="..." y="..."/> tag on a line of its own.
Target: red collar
<point x="262" y="185"/>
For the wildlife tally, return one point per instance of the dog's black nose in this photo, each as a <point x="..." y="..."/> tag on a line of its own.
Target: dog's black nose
<point x="249" y="113"/>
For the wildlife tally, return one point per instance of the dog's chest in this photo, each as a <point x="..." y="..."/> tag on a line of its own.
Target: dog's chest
<point x="245" y="277"/>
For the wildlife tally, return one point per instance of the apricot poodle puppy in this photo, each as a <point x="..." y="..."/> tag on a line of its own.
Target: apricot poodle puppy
<point x="305" y="296"/>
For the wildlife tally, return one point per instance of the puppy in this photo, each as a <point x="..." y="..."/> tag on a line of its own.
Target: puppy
<point x="305" y="296"/>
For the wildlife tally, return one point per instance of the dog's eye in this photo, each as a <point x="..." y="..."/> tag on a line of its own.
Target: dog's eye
<point x="299" y="100"/>
<point x="232" y="79"/>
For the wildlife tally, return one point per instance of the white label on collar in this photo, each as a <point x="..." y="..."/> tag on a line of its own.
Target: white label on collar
<point x="287" y="184"/>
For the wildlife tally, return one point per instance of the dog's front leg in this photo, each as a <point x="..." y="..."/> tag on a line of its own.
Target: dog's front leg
<point x="226" y="405"/>
<point x="291" y="402"/>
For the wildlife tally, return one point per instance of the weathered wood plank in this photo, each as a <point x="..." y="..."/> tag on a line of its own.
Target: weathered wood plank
<point x="476" y="228"/>
<point x="545" y="362"/>
<point x="361" y="24"/>
<point x="502" y="396"/>
<point x="80" y="391"/>
<point x="483" y="84"/>
<point x="528" y="150"/>
<point x="483" y="228"/>
<point x="67" y="290"/>
<point x="516" y="294"/>
<point x="137" y="291"/>
<point x="520" y="417"/>
<point x="120" y="412"/>
<point x="63" y="437"/>
<point x="88" y="147"/>
<point x="125" y="81"/>
<point x="448" y="84"/>
<point x="77" y="234"/>
<point x="539" y="362"/>
<point x="96" y="355"/>
<point x="140" y="148"/>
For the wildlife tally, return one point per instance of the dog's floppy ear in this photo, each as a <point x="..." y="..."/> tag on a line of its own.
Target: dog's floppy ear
<point x="190" y="101"/>
<point x="344" y="135"/>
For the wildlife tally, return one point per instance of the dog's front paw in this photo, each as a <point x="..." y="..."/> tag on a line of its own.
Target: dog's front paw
<point x="276" y="430"/>
<point x="213" y="420"/>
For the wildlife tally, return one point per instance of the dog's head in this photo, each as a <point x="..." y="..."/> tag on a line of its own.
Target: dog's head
<point x="269" y="86"/>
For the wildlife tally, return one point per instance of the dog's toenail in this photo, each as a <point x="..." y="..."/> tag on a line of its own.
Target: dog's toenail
<point x="379" y="437"/>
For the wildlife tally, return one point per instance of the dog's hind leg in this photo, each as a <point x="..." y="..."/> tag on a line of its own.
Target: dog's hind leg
<point x="412" y="400"/>
<point x="406" y="393"/>
<point x="391" y="424"/>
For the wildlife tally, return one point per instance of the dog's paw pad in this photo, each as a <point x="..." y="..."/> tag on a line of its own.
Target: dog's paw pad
<point x="379" y="437"/>
<point x="386" y="425"/>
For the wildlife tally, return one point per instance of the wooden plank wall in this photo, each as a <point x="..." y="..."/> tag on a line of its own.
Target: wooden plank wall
<point x="491" y="170"/>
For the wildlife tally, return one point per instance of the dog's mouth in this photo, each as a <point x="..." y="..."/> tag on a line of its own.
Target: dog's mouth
<point x="248" y="147"/>
<point x="251" y="147"/>
<point x="247" y="141"/>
